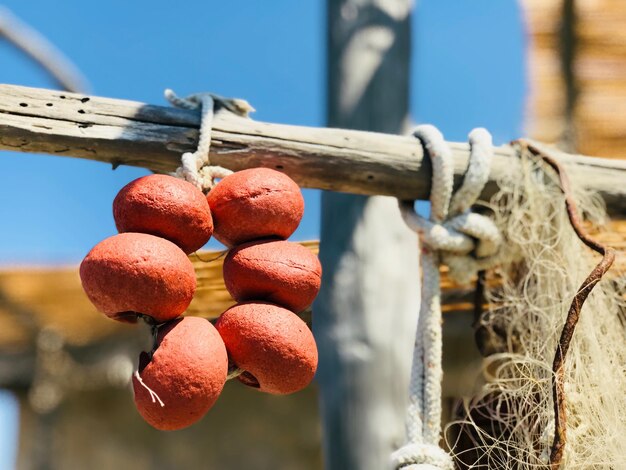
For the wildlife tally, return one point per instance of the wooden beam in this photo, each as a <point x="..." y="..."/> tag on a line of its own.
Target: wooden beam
<point x="123" y="132"/>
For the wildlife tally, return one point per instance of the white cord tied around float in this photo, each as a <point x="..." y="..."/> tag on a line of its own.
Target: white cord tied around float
<point x="467" y="242"/>
<point x="196" y="166"/>
<point x="153" y="394"/>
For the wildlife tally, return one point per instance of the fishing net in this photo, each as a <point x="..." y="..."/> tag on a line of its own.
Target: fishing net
<point x="510" y="423"/>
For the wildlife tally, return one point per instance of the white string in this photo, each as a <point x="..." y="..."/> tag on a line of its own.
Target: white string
<point x="195" y="166"/>
<point x="152" y="393"/>
<point x="450" y="235"/>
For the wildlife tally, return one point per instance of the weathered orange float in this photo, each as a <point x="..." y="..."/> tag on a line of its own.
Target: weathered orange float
<point x="254" y="204"/>
<point x="185" y="375"/>
<point x="271" y="344"/>
<point x="281" y="272"/>
<point x="136" y="273"/>
<point x="167" y="207"/>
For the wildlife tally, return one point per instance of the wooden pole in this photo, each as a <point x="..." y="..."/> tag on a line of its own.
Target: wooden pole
<point x="123" y="132"/>
<point x="41" y="51"/>
<point x="365" y="316"/>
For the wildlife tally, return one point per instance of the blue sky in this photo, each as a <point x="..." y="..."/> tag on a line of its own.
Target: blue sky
<point x="467" y="72"/>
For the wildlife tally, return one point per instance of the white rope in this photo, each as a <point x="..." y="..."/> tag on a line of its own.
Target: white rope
<point x="450" y="235"/>
<point x="152" y="393"/>
<point x="196" y="167"/>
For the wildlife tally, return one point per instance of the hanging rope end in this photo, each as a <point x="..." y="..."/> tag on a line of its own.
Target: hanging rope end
<point x="169" y="94"/>
<point x="421" y="457"/>
<point x="235" y="105"/>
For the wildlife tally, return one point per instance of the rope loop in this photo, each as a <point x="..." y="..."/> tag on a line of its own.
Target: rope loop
<point x="195" y="166"/>
<point x="421" y="457"/>
<point x="466" y="242"/>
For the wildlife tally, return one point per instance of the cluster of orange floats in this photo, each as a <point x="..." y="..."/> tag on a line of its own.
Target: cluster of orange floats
<point x="144" y="272"/>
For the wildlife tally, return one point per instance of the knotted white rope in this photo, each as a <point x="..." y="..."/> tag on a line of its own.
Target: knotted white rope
<point x="195" y="166"/>
<point x="450" y="235"/>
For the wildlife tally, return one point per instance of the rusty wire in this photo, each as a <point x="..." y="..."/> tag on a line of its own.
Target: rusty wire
<point x="573" y="314"/>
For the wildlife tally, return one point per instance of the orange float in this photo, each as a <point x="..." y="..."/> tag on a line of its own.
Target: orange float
<point x="167" y="207"/>
<point x="136" y="273"/>
<point x="273" y="346"/>
<point x="281" y="272"/>
<point x="254" y="204"/>
<point x="185" y="375"/>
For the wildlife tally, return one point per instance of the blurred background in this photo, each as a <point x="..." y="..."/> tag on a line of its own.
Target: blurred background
<point x="65" y="402"/>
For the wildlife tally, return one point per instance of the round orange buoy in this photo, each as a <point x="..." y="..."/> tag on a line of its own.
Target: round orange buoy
<point x="271" y="344"/>
<point x="254" y="204"/>
<point x="281" y="272"/>
<point x="167" y="207"/>
<point x="134" y="273"/>
<point x="185" y="375"/>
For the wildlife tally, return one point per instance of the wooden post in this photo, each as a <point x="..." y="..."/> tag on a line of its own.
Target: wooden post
<point x="365" y="316"/>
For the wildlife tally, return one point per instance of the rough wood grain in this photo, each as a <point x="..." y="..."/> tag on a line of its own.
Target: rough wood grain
<point x="123" y="132"/>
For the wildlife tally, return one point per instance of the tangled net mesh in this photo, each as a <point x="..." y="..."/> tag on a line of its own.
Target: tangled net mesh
<point x="510" y="423"/>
